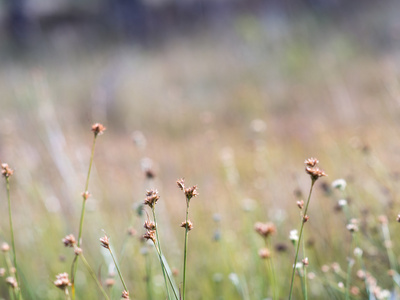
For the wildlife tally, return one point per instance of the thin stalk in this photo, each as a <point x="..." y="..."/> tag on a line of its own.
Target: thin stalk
<point x="304" y="282"/>
<point x="271" y="271"/>
<point x="75" y="261"/>
<point x="160" y="255"/>
<point x="12" y="237"/>
<point x="119" y="272"/>
<point x="67" y="297"/>
<point x="389" y="249"/>
<point x="185" y="250"/>
<point x="300" y="235"/>
<point x="349" y="266"/>
<point x="94" y="276"/>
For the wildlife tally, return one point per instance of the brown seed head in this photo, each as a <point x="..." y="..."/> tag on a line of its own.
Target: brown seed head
<point x="86" y="195"/>
<point x="12" y="282"/>
<point x="300" y="204"/>
<point x="6" y="171"/>
<point x="125" y="295"/>
<point x="181" y="183"/>
<point x="149" y="173"/>
<point x="98" y="129"/>
<point x="191" y="192"/>
<point x="305" y="261"/>
<point x="265" y="229"/>
<point x="315" y="172"/>
<point x="150" y="235"/>
<point x="5" y="247"/>
<point x="62" y="281"/>
<point x="398" y="218"/>
<point x="69" y="241"/>
<point x="151" y="198"/>
<point x="188" y="225"/>
<point x="311" y="162"/>
<point x="105" y="242"/>
<point x="78" y="251"/>
<point x="149" y="225"/>
<point x="264" y="253"/>
<point x="306" y="218"/>
<point x="353" y="225"/>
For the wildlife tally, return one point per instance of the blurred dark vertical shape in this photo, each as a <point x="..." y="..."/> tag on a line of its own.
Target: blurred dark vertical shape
<point x="17" y="21"/>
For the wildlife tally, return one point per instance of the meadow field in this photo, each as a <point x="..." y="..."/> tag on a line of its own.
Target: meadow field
<point x="234" y="110"/>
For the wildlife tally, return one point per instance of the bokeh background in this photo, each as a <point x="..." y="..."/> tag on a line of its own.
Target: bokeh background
<point x="232" y="95"/>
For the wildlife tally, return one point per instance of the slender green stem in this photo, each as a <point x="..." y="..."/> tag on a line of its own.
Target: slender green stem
<point x="67" y="294"/>
<point x="12" y="238"/>
<point x="300" y="235"/>
<point x="271" y="271"/>
<point x="94" y="276"/>
<point x="159" y="247"/>
<point x="119" y="272"/>
<point x="185" y="250"/>
<point x="75" y="261"/>
<point x="349" y="266"/>
<point x="304" y="282"/>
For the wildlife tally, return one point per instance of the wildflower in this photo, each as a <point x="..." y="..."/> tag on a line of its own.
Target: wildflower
<point x="6" y="170"/>
<point x="341" y="285"/>
<point x="315" y="173"/>
<point x="353" y="225"/>
<point x="306" y="218"/>
<point x="5" y="247"/>
<point x="69" y="241"/>
<point x="305" y="261"/>
<point x="105" y="242"/>
<point x="181" y="183"/>
<point x="109" y="282"/>
<point x="11" y="281"/>
<point x="125" y="295"/>
<point x="149" y="225"/>
<point x="398" y="218"/>
<point x="342" y="203"/>
<point x="354" y="290"/>
<point x="86" y="195"/>
<point x="264" y="253"/>
<point x="98" y="129"/>
<point x="311" y="162"/>
<point x="300" y="204"/>
<point x="150" y="235"/>
<point x="293" y="236"/>
<point x="62" y="281"/>
<point x="339" y="184"/>
<point x="78" y="251"/>
<point x="191" y="192"/>
<point x="358" y="252"/>
<point x="188" y="225"/>
<point x="151" y="198"/>
<point x="265" y="229"/>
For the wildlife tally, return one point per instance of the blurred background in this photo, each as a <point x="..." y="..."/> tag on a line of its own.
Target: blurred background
<point x="233" y="95"/>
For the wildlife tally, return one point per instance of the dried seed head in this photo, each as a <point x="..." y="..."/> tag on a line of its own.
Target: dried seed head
<point x="69" y="241"/>
<point x="6" y="171"/>
<point x="315" y="172"/>
<point x="181" y="183"/>
<point x="5" y="247"/>
<point x="300" y="204"/>
<point x="305" y="261"/>
<point x="78" y="251"/>
<point x="305" y="218"/>
<point x="191" y="192"/>
<point x="149" y="225"/>
<point x="150" y="235"/>
<point x="264" y="253"/>
<point x="354" y="290"/>
<point x="109" y="282"/>
<point x="105" y="242"/>
<point x="86" y="195"/>
<point x="125" y="295"/>
<point x="98" y="129"/>
<point x="62" y="281"/>
<point x="12" y="282"/>
<point x="151" y="198"/>
<point x="149" y="173"/>
<point x="398" y="218"/>
<point x="353" y="225"/>
<point x="265" y="229"/>
<point x="188" y="225"/>
<point x="311" y="162"/>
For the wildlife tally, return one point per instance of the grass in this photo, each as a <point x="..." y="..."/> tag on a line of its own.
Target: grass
<point x="196" y="99"/>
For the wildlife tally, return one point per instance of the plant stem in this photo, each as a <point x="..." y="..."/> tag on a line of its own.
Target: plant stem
<point x="148" y="279"/>
<point x="349" y="266"/>
<point x="300" y="235"/>
<point x="75" y="261"/>
<point x="94" y="276"/>
<point x="185" y="250"/>
<point x="304" y="272"/>
<point x="160" y="253"/>
<point x="119" y="272"/>
<point x="12" y="237"/>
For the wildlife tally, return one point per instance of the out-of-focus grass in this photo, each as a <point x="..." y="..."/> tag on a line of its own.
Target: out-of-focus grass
<point x="319" y="89"/>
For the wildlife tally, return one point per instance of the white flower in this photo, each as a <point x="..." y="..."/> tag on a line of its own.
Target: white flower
<point x="293" y="236"/>
<point x="339" y="184"/>
<point x="358" y="252"/>
<point x="342" y="202"/>
<point x="234" y="278"/>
